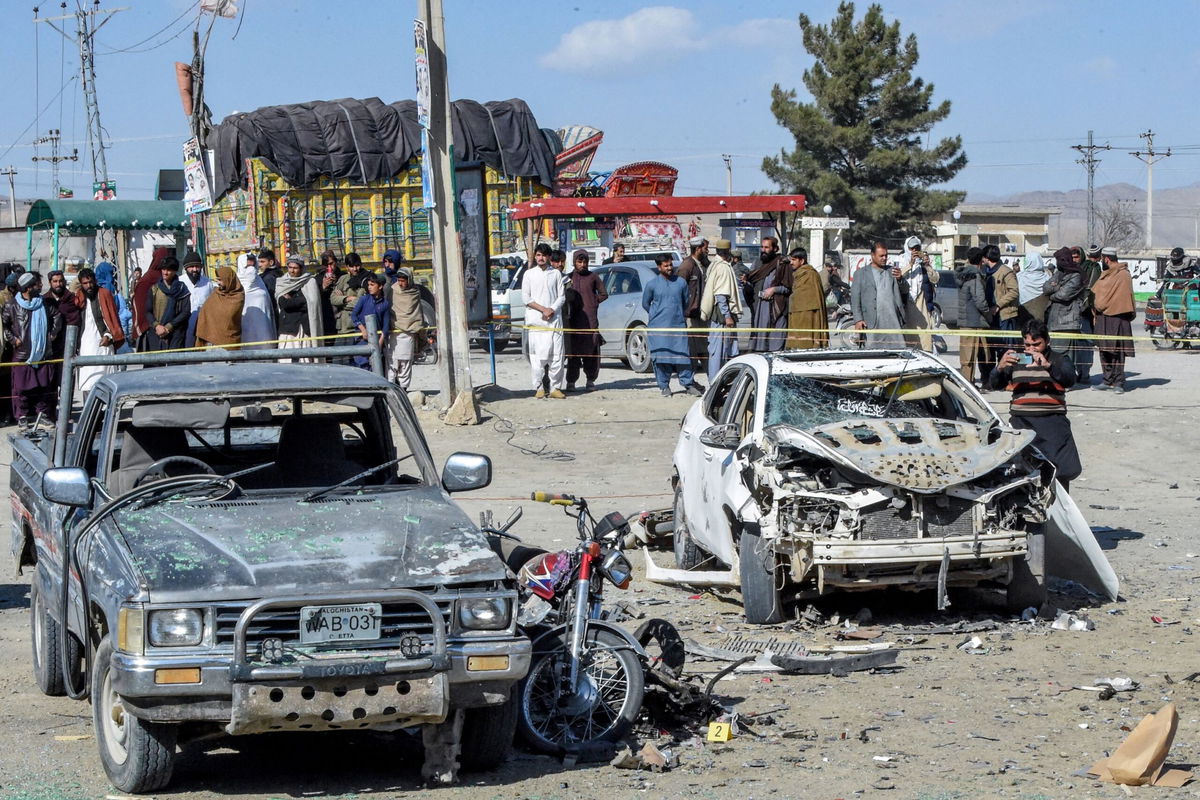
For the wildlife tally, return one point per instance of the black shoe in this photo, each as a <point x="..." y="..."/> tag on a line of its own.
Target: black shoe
<point x="666" y="392"/>
<point x="695" y="389"/>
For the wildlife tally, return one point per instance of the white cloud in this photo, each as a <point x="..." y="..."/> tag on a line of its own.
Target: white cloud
<point x="656" y="34"/>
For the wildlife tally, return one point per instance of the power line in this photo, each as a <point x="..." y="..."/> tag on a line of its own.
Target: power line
<point x="171" y="24"/>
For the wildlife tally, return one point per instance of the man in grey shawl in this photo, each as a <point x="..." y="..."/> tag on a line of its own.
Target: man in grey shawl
<point x="298" y="307"/>
<point x="877" y="298"/>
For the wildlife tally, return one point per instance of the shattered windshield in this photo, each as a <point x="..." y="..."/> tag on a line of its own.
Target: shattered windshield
<point x="807" y="402"/>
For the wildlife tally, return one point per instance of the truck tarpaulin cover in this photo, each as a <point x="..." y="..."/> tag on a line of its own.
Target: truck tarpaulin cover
<point x="367" y="140"/>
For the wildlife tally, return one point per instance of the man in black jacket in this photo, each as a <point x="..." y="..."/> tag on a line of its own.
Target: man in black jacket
<point x="1038" y="378"/>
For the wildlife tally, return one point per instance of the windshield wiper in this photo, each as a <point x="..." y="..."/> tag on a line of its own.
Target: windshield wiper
<point x="315" y="494"/>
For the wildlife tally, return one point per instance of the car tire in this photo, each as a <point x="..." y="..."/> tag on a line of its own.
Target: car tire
<point x="761" y="599"/>
<point x="44" y="638"/>
<point x="138" y="756"/>
<point x="1027" y="587"/>
<point x="637" y="349"/>
<point x="488" y="733"/>
<point x="687" y="553"/>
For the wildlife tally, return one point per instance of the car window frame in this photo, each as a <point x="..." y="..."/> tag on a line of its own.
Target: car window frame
<point x="732" y="375"/>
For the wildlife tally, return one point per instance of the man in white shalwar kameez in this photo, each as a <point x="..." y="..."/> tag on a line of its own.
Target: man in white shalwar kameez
<point x="542" y="289"/>
<point x="256" y="313"/>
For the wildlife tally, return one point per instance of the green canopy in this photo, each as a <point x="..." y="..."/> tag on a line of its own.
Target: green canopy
<point x="90" y="215"/>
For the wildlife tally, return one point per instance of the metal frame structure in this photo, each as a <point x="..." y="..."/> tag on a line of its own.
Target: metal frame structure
<point x="71" y="362"/>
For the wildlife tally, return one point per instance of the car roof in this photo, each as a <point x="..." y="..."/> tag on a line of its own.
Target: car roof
<point x="636" y="264"/>
<point x="884" y="361"/>
<point x="209" y="380"/>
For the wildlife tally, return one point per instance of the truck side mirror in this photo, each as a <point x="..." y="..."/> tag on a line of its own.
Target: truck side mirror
<point x="67" y="486"/>
<point x="466" y="471"/>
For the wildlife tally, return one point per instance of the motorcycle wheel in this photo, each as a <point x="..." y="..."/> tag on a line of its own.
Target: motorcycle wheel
<point x="1161" y="341"/>
<point x="552" y="719"/>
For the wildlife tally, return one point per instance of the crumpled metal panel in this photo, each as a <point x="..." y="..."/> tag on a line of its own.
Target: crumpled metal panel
<point x="922" y="455"/>
<point x="340" y="704"/>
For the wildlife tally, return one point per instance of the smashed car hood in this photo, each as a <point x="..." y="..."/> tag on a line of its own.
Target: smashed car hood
<point x="255" y="546"/>
<point x="918" y="454"/>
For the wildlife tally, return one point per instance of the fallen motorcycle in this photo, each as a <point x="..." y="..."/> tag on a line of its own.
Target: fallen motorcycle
<point x="587" y="677"/>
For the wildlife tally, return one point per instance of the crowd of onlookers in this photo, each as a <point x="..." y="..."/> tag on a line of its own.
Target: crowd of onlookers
<point x="177" y="305"/>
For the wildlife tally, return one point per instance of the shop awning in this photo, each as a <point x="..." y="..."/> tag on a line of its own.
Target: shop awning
<point x="92" y="215"/>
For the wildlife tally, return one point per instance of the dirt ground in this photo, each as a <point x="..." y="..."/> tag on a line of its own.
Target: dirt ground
<point x="1002" y="722"/>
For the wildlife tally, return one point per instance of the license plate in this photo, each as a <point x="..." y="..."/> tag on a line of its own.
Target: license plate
<point x="340" y="623"/>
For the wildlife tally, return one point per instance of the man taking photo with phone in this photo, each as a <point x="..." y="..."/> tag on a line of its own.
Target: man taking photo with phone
<point x="1038" y="378"/>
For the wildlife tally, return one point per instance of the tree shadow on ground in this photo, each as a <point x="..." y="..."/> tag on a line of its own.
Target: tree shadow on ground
<point x="14" y="595"/>
<point x="333" y="764"/>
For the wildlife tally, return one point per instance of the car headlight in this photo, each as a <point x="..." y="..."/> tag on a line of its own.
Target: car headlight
<point x="616" y="568"/>
<point x="484" y="613"/>
<point x="176" y="627"/>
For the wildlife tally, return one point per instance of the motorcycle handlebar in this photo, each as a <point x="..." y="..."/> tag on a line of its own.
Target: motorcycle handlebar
<point x="553" y="499"/>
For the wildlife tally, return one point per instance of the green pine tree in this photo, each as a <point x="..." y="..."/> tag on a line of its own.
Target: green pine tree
<point x="859" y="142"/>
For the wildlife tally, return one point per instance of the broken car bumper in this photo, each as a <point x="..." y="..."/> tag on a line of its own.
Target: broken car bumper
<point x="1003" y="544"/>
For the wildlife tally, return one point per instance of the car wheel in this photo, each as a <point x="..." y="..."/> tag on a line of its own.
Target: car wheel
<point x="500" y="345"/>
<point x="487" y="734"/>
<point x="687" y="554"/>
<point x="138" y="756"/>
<point x="761" y="600"/>
<point x="44" y="636"/>
<point x="637" y="349"/>
<point x="1027" y="587"/>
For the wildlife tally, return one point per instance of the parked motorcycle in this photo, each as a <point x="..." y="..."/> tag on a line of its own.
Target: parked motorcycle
<point x="587" y="677"/>
<point x="842" y="334"/>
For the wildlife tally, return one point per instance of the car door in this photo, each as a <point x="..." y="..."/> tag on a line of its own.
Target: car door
<point x="723" y="470"/>
<point x="618" y="312"/>
<point x="693" y="462"/>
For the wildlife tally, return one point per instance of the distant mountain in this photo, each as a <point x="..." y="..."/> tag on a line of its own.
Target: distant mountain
<point x="1176" y="211"/>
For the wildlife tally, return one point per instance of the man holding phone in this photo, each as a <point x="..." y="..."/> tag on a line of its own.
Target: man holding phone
<point x="1038" y="378"/>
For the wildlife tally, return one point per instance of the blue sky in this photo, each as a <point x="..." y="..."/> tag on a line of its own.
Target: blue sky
<point x="681" y="83"/>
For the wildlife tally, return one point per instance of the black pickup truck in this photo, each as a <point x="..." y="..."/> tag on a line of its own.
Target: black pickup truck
<point x="262" y="547"/>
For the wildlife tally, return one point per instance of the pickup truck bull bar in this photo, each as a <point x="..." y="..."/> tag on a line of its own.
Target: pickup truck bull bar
<point x="436" y="661"/>
<point x="73" y="361"/>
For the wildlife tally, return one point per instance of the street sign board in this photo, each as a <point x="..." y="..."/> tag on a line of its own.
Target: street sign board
<point x="746" y="223"/>
<point x="824" y="223"/>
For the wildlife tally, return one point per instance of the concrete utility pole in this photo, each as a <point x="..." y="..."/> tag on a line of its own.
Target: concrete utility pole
<point x="1150" y="156"/>
<point x="12" y="195"/>
<point x="1089" y="161"/>
<point x="454" y="362"/>
<point x="728" y="173"/>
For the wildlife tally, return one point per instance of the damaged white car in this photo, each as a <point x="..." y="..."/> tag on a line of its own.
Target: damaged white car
<point x="808" y="471"/>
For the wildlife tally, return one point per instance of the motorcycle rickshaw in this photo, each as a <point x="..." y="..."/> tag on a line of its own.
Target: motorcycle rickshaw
<point x="1173" y="314"/>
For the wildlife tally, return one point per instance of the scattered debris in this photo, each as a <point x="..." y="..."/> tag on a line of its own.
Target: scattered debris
<point x="1141" y="758"/>
<point x="974" y="646"/>
<point x="648" y="758"/>
<point x="836" y="665"/>
<point x="1066" y="621"/>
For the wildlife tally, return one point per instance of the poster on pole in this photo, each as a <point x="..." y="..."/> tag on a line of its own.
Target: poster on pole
<point x="471" y="204"/>
<point x="421" y="47"/>
<point x="196" y="196"/>
<point x="426" y="172"/>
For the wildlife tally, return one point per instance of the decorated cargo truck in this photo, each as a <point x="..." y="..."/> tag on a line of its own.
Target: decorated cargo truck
<point x="345" y="176"/>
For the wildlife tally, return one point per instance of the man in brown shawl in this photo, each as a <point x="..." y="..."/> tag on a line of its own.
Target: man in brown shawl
<point x="220" y="320"/>
<point x="1113" y="303"/>
<point x="408" y="319"/>
<point x="770" y="284"/>
<point x="582" y="307"/>
<point x="808" y="322"/>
